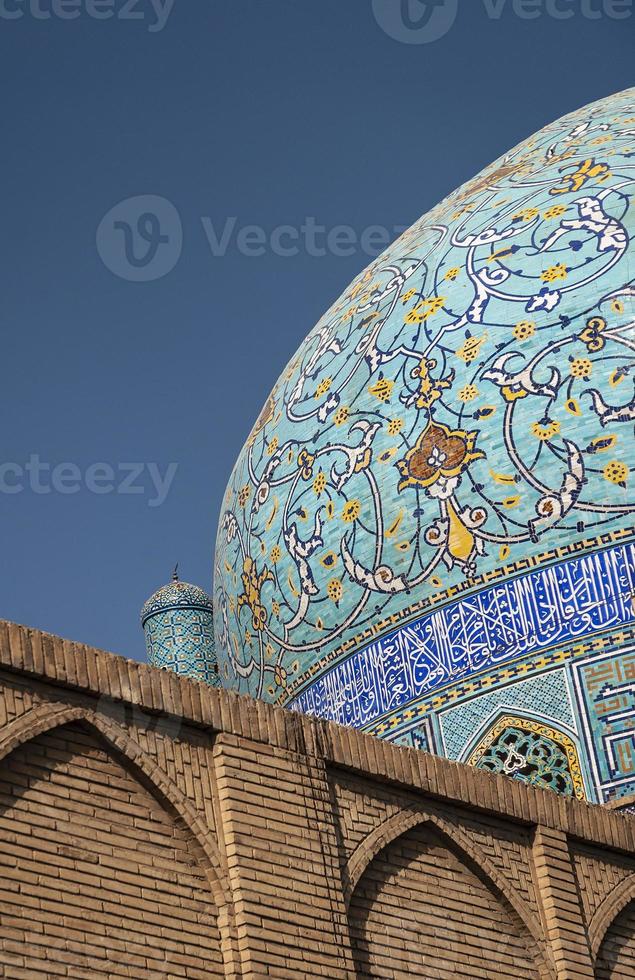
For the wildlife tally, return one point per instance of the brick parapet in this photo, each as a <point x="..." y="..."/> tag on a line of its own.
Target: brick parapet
<point x="76" y="667"/>
<point x="293" y="820"/>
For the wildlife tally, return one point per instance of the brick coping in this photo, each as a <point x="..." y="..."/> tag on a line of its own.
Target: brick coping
<point x="77" y="667"/>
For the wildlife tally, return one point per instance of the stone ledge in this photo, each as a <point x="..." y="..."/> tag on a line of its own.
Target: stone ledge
<point x="76" y="667"/>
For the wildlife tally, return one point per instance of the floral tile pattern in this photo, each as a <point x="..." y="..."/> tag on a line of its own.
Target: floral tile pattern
<point x="464" y="411"/>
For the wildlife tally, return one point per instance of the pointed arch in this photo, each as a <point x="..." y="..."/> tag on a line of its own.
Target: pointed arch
<point x="608" y="911"/>
<point x="505" y="709"/>
<point x="533" y="725"/>
<point x="468" y="852"/>
<point x="44" y="718"/>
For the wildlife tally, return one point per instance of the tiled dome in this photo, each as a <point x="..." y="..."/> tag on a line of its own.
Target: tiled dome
<point x="429" y="532"/>
<point x="178" y="624"/>
<point x="175" y="595"/>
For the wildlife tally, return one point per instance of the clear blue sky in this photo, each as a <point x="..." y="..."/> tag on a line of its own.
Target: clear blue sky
<point x="266" y="111"/>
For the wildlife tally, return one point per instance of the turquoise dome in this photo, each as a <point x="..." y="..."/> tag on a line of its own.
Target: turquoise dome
<point x="176" y="595"/>
<point x="178" y="624"/>
<point x="429" y="532"/>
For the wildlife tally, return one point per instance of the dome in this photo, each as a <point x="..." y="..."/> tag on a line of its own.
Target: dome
<point x="175" y="595"/>
<point x="429" y="532"/>
<point x="178" y="624"/>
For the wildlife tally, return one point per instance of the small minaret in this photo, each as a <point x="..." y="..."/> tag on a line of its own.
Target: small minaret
<point x="178" y="624"/>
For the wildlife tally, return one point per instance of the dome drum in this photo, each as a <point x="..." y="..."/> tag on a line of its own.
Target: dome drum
<point x="178" y="624"/>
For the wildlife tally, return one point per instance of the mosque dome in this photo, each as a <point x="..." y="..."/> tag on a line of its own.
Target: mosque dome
<point x="428" y="534"/>
<point x="178" y="624"/>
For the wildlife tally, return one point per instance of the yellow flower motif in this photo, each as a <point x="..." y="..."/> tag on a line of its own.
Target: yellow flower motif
<point x="323" y="387"/>
<point x="555" y="212"/>
<point x="408" y="296"/>
<point x="382" y="389"/>
<point x="335" y="590"/>
<point x="424" y="310"/>
<point x="581" y="367"/>
<point x="545" y="431"/>
<point x="439" y="456"/>
<point x="588" y="170"/>
<point x="592" y="334"/>
<point x="280" y="676"/>
<point x="471" y="348"/>
<point x="351" y="511"/>
<point x="319" y="484"/>
<point x="555" y="272"/>
<point x="527" y="214"/>
<point x="275" y="607"/>
<point x="341" y="415"/>
<point x="524" y="329"/>
<point x="451" y="274"/>
<point x="617" y="306"/>
<point x="395" y="426"/>
<point x="616" y="472"/>
<point x="275" y="554"/>
<point x="305" y="463"/>
<point x="468" y="393"/>
<point x="273" y="445"/>
<point x="253" y="581"/>
<point x="430" y="389"/>
<point x="243" y="494"/>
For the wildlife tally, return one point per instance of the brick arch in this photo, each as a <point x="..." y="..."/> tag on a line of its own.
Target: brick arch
<point x="44" y="718"/>
<point x="608" y="911"/>
<point x="465" y="849"/>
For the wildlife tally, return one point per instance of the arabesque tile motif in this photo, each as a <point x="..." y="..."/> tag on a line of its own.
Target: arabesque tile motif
<point x="442" y="480"/>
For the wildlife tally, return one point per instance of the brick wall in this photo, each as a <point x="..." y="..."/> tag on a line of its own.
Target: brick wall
<point x="97" y="877"/>
<point x="421" y="909"/>
<point x="152" y="827"/>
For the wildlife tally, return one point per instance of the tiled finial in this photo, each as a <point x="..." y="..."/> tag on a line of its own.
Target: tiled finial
<point x="175" y="573"/>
